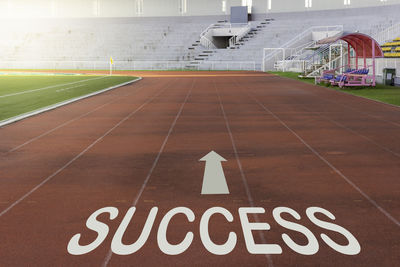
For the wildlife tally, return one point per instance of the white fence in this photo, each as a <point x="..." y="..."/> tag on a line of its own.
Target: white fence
<point x="388" y="35"/>
<point x="271" y="54"/>
<point x="306" y="36"/>
<point x="227" y="65"/>
<point x="94" y="65"/>
<point x="128" y="65"/>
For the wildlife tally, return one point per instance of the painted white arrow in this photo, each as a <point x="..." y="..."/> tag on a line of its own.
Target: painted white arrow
<point x="214" y="182"/>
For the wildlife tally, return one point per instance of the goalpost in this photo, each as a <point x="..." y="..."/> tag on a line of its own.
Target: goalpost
<point x="271" y="57"/>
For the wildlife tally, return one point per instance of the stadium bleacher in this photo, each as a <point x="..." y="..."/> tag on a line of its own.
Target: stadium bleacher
<point x="392" y="49"/>
<point x="86" y="42"/>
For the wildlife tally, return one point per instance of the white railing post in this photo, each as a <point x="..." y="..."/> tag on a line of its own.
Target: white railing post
<point x="263" y="62"/>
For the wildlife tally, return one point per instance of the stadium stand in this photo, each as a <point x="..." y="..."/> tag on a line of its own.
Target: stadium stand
<point x="287" y="26"/>
<point x="392" y="49"/>
<point x="173" y="42"/>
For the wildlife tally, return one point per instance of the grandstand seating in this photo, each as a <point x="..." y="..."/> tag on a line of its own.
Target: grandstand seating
<point x="392" y="49"/>
<point x="287" y="26"/>
<point x="172" y="39"/>
<point x="97" y="39"/>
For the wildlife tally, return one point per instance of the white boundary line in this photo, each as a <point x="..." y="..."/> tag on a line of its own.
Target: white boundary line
<point x="68" y="88"/>
<point x="337" y="171"/>
<point x="146" y="180"/>
<point x="363" y="97"/>
<point x="52" y="86"/>
<point x="80" y="154"/>
<point x="72" y="120"/>
<point x="60" y="104"/>
<point x="347" y="106"/>
<point x="244" y="180"/>
<point x="345" y="127"/>
<point x="343" y="92"/>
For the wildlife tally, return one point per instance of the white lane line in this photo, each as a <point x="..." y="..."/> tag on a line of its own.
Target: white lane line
<point x="347" y="106"/>
<point x="80" y="154"/>
<point x="52" y="86"/>
<point x="353" y="131"/>
<point x="382" y="210"/>
<point x="73" y="120"/>
<point x="146" y="180"/>
<point x="397" y="108"/>
<point x="376" y="117"/>
<point x="244" y="180"/>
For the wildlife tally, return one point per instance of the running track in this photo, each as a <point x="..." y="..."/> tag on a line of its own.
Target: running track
<point x="287" y="144"/>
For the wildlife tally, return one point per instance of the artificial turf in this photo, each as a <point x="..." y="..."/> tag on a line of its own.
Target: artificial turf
<point x="20" y="94"/>
<point x="386" y="94"/>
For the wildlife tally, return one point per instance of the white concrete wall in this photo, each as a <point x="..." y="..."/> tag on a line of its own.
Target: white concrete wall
<point x="151" y="8"/>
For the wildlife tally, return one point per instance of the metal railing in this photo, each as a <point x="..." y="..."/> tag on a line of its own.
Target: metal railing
<point x="235" y="39"/>
<point x="94" y="65"/>
<point x="228" y="65"/>
<point x="207" y="43"/>
<point x="127" y="65"/>
<point x="204" y="37"/>
<point x="304" y="37"/>
<point x="327" y="66"/>
<point x="206" y="34"/>
<point x="388" y="35"/>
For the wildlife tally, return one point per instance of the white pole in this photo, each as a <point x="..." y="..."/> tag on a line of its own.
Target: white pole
<point x="263" y="63"/>
<point x="110" y="69"/>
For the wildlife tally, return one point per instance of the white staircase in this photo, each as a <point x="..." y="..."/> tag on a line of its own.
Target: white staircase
<point x="210" y="58"/>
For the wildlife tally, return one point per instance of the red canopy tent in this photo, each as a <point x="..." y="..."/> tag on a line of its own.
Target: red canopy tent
<point x="364" y="47"/>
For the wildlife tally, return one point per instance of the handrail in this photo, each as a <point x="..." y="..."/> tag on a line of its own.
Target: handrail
<point x="301" y="36"/>
<point x="206" y="42"/>
<point x="328" y="64"/>
<point x="298" y="51"/>
<point x="309" y="31"/>
<point x="320" y="51"/>
<point x="388" y="34"/>
<point x="235" y="39"/>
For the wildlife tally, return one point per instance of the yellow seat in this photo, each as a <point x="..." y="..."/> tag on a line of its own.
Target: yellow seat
<point x="397" y="39"/>
<point x="391" y="54"/>
<point x="391" y="44"/>
<point x="385" y="49"/>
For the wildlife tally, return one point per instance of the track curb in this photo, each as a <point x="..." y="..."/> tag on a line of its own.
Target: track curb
<point x="61" y="104"/>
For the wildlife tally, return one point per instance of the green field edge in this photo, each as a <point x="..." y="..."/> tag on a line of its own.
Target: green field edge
<point x="380" y="93"/>
<point x="25" y="115"/>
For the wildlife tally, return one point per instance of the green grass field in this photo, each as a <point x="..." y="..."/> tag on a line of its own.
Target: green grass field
<point x="387" y="94"/>
<point x="20" y="94"/>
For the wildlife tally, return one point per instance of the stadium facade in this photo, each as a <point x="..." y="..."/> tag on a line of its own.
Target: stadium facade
<point x="154" y="8"/>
